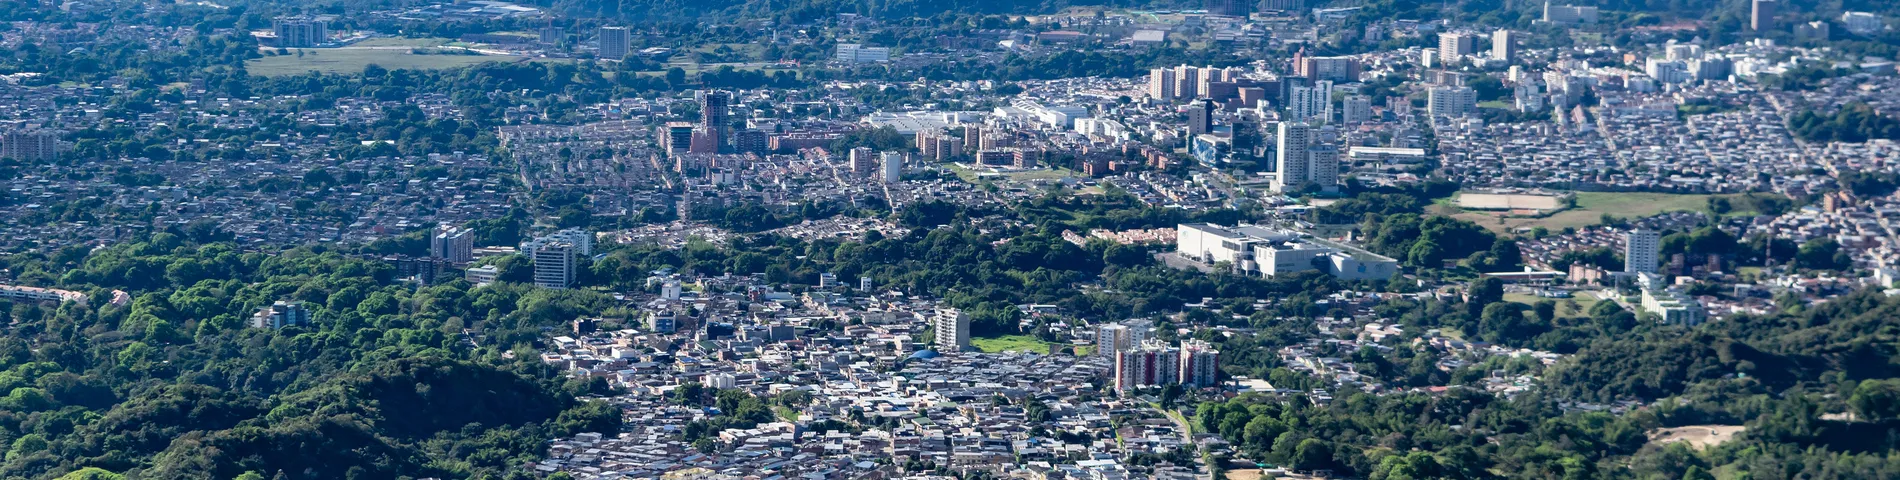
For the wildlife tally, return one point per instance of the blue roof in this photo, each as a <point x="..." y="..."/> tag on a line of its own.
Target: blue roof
<point x="924" y="354"/>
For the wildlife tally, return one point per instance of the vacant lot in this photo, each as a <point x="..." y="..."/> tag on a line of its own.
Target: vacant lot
<point x="1590" y="209"/>
<point x="1698" y="436"/>
<point x="970" y="175"/>
<point x="389" y="53"/>
<point x="1493" y="201"/>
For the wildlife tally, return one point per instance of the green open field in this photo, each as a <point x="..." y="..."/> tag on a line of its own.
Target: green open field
<point x="975" y="176"/>
<point x="1590" y="209"/>
<point x="1584" y="300"/>
<point x="389" y="53"/>
<point x="1010" y="343"/>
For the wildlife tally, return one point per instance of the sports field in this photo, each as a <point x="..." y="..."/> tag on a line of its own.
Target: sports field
<point x="1589" y="210"/>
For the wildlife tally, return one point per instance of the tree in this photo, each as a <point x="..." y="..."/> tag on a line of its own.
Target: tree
<point x="1876" y="400"/>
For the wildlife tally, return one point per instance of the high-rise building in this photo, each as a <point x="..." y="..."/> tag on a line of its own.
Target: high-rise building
<point x="1231" y="8"/>
<point x="1761" y="18"/>
<point x="1340" y="69"/>
<point x="714" y="115"/>
<point x="1312" y="104"/>
<point x="36" y="145"/>
<point x="1322" y="165"/>
<point x="1358" y="109"/>
<point x="1161" y="84"/>
<point x="614" y="42"/>
<point x="857" y="53"/>
<point x="1452" y="102"/>
<point x="1862" y="23"/>
<point x="1453" y="46"/>
<point x="892" y="170"/>
<point x="1187" y="82"/>
<point x="1641" y="251"/>
<point x="1200" y="364"/>
<point x="554" y="265"/>
<point x="863" y="163"/>
<point x="455" y="244"/>
<point x="952" y="328"/>
<point x="972" y="138"/>
<point x="1150" y="364"/>
<point x="1291" y="163"/>
<point x="300" y="31"/>
<point x="1283" y="5"/>
<point x="281" y="314"/>
<point x="1569" y="13"/>
<point x="1504" y="45"/>
<point x="678" y="138"/>
<point x="751" y="141"/>
<point x="551" y="35"/>
<point x="1201" y="116"/>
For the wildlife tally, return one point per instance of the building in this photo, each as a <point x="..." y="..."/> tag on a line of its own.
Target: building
<point x="662" y="322"/>
<point x="300" y="31"/>
<point x="1816" y="30"/>
<point x="1673" y="307"/>
<point x="1504" y="45"/>
<point x="1339" y="69"/>
<point x="1187" y="82"/>
<point x="678" y="139"/>
<point x="281" y="314"/>
<point x="551" y="35"/>
<point x="554" y="265"/>
<point x="1201" y="116"/>
<point x="37" y="145"/>
<point x="455" y="244"/>
<point x="863" y="163"/>
<point x="1862" y="23"/>
<point x="952" y="328"/>
<point x="1453" y="46"/>
<point x="1150" y="364"/>
<point x="715" y="117"/>
<point x="1200" y="364"/>
<point x="482" y="275"/>
<point x="1312" y="104"/>
<point x="614" y="42"/>
<point x="1231" y="8"/>
<point x="864" y="283"/>
<point x="892" y="170"/>
<point x="1253" y="249"/>
<point x="1452" y="102"/>
<point x="751" y="141"/>
<point x="1113" y="338"/>
<point x="857" y="53"/>
<point x="1358" y="109"/>
<point x="24" y="294"/>
<point x="1565" y="14"/>
<point x="1290" y="149"/>
<point x="827" y="280"/>
<point x="1761" y="17"/>
<point x="1161" y="84"/>
<point x="581" y="240"/>
<point x="1642" y="250"/>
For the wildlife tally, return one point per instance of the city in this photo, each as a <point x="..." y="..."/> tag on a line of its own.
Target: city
<point x="1171" y="239"/>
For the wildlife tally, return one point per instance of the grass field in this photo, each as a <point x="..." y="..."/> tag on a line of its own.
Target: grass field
<point x="975" y="176"/>
<point x="1590" y="209"/>
<point x="1010" y="343"/>
<point x="348" y="60"/>
<point x="1584" y="300"/>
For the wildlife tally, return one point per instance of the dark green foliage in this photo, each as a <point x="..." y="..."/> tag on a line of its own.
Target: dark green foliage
<point x="1853" y="123"/>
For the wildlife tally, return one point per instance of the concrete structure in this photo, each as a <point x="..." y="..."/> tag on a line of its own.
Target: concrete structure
<point x="857" y="53"/>
<point x="1151" y="364"/>
<point x="614" y="42"/>
<point x="952" y="328"/>
<point x="1454" y="46"/>
<point x="1311" y="104"/>
<point x="1339" y="69"/>
<point x="554" y="265"/>
<point x="1161" y="84"/>
<point x="1504" y="45"/>
<point x="1642" y="250"/>
<point x="281" y="314"/>
<point x="1761" y="17"/>
<point x="1569" y="13"/>
<point x="24" y="294"/>
<point x="300" y="31"/>
<point x="1231" y="8"/>
<point x="715" y="117"/>
<point x="455" y="244"/>
<point x="482" y="275"/>
<point x="1200" y="364"/>
<point x="678" y="138"/>
<point x="1114" y="338"/>
<point x="1862" y="23"/>
<point x="38" y="145"/>
<point x="892" y="168"/>
<point x="1673" y="307"/>
<point x="863" y="163"/>
<point x="1357" y="109"/>
<point x="1201" y="116"/>
<point x="1452" y="102"/>
<point x="1270" y="252"/>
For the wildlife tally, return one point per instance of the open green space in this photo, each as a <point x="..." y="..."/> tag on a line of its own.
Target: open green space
<point x="353" y="60"/>
<point x="1591" y="206"/>
<point x="1584" y="301"/>
<point x="1010" y="343"/>
<point x="403" y="42"/>
<point x="970" y="175"/>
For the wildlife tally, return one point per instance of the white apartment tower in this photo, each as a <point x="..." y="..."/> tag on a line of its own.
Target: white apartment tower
<point x="952" y="329"/>
<point x="1312" y="104"/>
<point x="1452" y="102"/>
<point x="1161" y="84"/>
<point x="1641" y="249"/>
<point x="455" y="244"/>
<point x="1358" y="109"/>
<point x="892" y="164"/>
